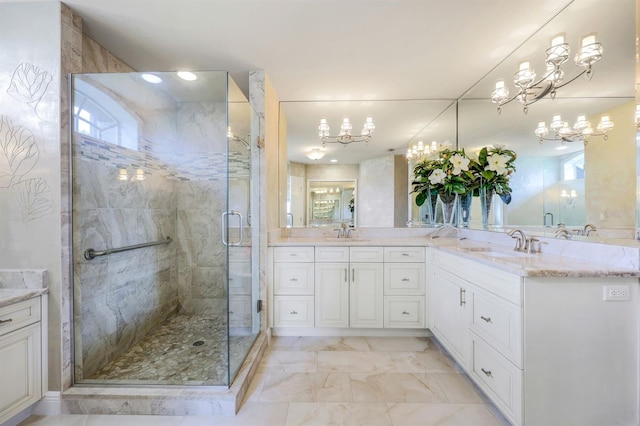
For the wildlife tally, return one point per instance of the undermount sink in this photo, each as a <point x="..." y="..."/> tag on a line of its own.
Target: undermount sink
<point x="491" y="252"/>
<point x="344" y="240"/>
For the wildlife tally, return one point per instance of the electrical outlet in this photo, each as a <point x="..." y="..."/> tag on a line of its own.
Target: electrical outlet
<point x="615" y="293"/>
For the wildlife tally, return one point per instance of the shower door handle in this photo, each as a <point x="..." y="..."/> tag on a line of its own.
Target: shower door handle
<point x="225" y="220"/>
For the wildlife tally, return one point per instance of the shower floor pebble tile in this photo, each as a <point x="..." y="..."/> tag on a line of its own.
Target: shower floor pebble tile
<point x="340" y="381"/>
<point x="168" y="354"/>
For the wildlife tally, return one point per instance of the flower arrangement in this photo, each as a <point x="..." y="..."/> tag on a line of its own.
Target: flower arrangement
<point x="446" y="173"/>
<point x="493" y="168"/>
<point x="449" y="172"/>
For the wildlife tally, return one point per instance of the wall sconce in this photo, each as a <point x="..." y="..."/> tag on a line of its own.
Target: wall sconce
<point x="568" y="196"/>
<point x="122" y="175"/>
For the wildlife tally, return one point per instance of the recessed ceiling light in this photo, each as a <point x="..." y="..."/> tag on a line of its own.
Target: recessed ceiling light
<point x="151" y="78"/>
<point x="561" y="147"/>
<point x="187" y="75"/>
<point x="333" y="160"/>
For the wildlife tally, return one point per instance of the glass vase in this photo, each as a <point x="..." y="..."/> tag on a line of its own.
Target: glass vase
<point x="448" y="206"/>
<point x="465" y="209"/>
<point x="486" y="196"/>
<point x="427" y="211"/>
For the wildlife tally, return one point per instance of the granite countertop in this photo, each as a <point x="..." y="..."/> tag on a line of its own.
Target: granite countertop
<point x="356" y="241"/>
<point x="9" y="296"/>
<point x="533" y="264"/>
<point x="498" y="256"/>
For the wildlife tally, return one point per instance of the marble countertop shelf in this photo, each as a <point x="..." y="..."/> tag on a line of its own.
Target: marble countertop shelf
<point x="17" y="285"/>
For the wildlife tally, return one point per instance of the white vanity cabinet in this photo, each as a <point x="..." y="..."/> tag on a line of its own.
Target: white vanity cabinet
<point x="349" y="284"/>
<point x="545" y="350"/>
<point x="293" y="287"/>
<point x="20" y="357"/>
<point x="349" y="287"/>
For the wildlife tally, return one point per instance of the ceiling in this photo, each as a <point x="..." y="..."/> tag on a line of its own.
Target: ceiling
<point x="344" y="50"/>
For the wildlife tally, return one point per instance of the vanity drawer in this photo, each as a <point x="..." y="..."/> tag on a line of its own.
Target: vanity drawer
<point x="293" y="278"/>
<point x="293" y="311"/>
<point x="366" y="254"/>
<point x="499" y="378"/>
<point x="18" y="315"/>
<point x="404" y="254"/>
<point x="332" y="254"/>
<point x="499" y="323"/>
<point x="293" y="254"/>
<point x="404" y="311"/>
<point x="403" y="278"/>
<point x="501" y="283"/>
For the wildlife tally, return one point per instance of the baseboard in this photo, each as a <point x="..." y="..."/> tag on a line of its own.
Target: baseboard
<point x="49" y="405"/>
<point x="19" y="418"/>
<point x="350" y="332"/>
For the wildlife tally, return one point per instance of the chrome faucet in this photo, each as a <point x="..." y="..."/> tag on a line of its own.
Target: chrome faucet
<point x="588" y="229"/>
<point x="520" y="239"/>
<point x="561" y="233"/>
<point x="344" y="231"/>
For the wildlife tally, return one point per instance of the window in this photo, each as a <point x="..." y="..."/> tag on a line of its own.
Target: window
<point x="99" y="116"/>
<point x="573" y="167"/>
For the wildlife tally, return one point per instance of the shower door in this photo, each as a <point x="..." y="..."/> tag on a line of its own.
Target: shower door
<point x="162" y="238"/>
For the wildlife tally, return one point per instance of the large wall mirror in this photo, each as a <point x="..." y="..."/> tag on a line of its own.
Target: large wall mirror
<point x="572" y="183"/>
<point x="554" y="183"/>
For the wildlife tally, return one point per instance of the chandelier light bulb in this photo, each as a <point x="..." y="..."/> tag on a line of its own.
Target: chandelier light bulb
<point x="558" y="53"/>
<point x="590" y="53"/>
<point x="556" y="123"/>
<point x="542" y="130"/>
<point x="525" y="75"/>
<point x="605" y="124"/>
<point x="122" y="175"/>
<point x="346" y="126"/>
<point x="581" y="123"/>
<point x="565" y="129"/>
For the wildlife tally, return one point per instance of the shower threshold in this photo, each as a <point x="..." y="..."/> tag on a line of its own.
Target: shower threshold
<point x="169" y="400"/>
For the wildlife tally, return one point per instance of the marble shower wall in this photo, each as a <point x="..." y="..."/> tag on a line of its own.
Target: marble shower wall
<point x="119" y="298"/>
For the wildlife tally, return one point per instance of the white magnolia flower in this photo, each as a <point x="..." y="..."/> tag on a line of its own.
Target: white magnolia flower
<point x="437" y="177"/>
<point x="497" y="163"/>
<point x="459" y="164"/>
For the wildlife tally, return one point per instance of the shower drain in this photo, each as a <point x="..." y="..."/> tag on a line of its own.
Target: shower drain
<point x="198" y="343"/>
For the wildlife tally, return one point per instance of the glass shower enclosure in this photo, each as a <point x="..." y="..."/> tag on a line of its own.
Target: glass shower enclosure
<point x="164" y="291"/>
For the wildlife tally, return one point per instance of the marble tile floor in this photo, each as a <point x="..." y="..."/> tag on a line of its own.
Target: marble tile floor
<point x="183" y="349"/>
<point x="397" y="381"/>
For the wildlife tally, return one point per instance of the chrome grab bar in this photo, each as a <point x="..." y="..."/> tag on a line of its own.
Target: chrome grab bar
<point x="225" y="222"/>
<point x="91" y="253"/>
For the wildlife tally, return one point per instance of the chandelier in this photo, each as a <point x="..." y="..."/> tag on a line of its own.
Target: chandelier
<point x="416" y="152"/>
<point x="581" y="130"/>
<point x="345" y="137"/>
<point x="531" y="90"/>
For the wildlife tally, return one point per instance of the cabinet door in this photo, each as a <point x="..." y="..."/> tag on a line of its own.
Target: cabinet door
<point x="20" y="372"/>
<point x="366" y="297"/>
<point x="449" y="313"/>
<point x="332" y="295"/>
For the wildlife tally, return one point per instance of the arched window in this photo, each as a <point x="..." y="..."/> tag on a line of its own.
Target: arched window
<point x="99" y="116"/>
